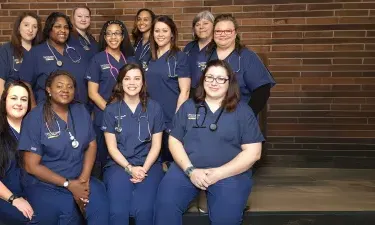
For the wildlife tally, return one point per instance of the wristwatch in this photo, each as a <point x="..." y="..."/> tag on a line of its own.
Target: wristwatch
<point x="12" y="197"/>
<point x="66" y="183"/>
<point x="189" y="170"/>
<point x="128" y="170"/>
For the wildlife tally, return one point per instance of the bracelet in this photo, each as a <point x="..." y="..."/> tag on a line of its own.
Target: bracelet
<point x="12" y="198"/>
<point x="129" y="171"/>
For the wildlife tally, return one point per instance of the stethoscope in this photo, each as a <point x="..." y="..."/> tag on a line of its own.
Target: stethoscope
<point x="144" y="49"/>
<point x="174" y="68"/>
<point x="59" y="63"/>
<point x="13" y="65"/>
<point x="202" y="65"/>
<point x="72" y="138"/>
<point x="111" y="67"/>
<point x="213" y="126"/>
<point x="85" y="43"/>
<point x="118" y="127"/>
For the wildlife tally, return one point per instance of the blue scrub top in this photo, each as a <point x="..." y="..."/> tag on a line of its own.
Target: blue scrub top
<point x="192" y="50"/>
<point x="99" y="72"/>
<point x="142" y="54"/>
<point x="162" y="86"/>
<point x="250" y="71"/>
<point x="89" y="49"/>
<point x="9" y="65"/>
<point x="12" y="178"/>
<point x="134" y="140"/>
<point x="207" y="148"/>
<point x="39" y="63"/>
<point x="55" y="146"/>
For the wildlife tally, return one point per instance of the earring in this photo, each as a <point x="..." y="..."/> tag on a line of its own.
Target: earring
<point x="49" y="94"/>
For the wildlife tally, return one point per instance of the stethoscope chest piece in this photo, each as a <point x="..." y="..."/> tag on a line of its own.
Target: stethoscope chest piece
<point x="213" y="127"/>
<point x="75" y="144"/>
<point x="118" y="129"/>
<point x="86" y="48"/>
<point x="59" y="63"/>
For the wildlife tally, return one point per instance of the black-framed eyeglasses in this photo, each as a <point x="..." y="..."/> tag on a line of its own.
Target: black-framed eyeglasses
<point x="219" y="80"/>
<point x="117" y="34"/>
<point x="226" y="32"/>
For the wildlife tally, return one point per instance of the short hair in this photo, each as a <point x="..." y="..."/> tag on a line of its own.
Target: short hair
<point x="202" y="15"/>
<point x="232" y="96"/>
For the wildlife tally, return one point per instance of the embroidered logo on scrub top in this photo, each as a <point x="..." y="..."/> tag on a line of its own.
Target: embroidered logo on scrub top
<point x="48" y="58"/>
<point x="33" y="149"/>
<point x="120" y="117"/>
<point x="193" y="116"/>
<point x="104" y="128"/>
<point x="51" y="135"/>
<point x="105" y="66"/>
<point x="202" y="65"/>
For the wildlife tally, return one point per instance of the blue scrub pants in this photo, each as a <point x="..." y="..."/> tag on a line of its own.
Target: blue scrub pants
<point x="55" y="205"/>
<point x="226" y="199"/>
<point x="102" y="152"/>
<point x="131" y="200"/>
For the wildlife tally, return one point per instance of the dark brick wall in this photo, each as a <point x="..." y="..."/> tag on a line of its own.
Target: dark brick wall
<point x="321" y="53"/>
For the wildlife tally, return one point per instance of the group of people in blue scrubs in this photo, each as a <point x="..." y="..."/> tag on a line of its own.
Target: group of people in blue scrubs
<point x="124" y="108"/>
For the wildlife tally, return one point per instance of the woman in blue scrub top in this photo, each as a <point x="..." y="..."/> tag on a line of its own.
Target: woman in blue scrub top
<point x="27" y="32"/>
<point x="203" y="27"/>
<point x="54" y="54"/>
<point x="253" y="77"/>
<point x="215" y="140"/>
<point x="14" y="105"/>
<point x="141" y="33"/>
<point x="168" y="75"/>
<point x="80" y="37"/>
<point x="133" y="127"/>
<point x="59" y="147"/>
<point x="115" y="51"/>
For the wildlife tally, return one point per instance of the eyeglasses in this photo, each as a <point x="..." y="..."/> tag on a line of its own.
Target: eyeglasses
<point x="117" y="34"/>
<point x="226" y="32"/>
<point x="219" y="80"/>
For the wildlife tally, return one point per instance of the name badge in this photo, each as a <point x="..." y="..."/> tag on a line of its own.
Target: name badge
<point x="202" y="65"/>
<point x="105" y="66"/>
<point x="120" y="117"/>
<point x="193" y="116"/>
<point x="49" y="58"/>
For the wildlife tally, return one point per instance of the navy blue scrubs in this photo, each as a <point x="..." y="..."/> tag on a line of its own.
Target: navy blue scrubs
<point x="53" y="204"/>
<point x="249" y="69"/>
<point x="207" y="149"/>
<point x="99" y="72"/>
<point x="9" y="65"/>
<point x="192" y="50"/>
<point x="89" y="48"/>
<point x="9" y="214"/>
<point x="142" y="53"/>
<point x="39" y="63"/>
<point x="134" y="142"/>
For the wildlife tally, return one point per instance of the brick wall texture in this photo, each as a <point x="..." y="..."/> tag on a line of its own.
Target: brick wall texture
<point x="321" y="53"/>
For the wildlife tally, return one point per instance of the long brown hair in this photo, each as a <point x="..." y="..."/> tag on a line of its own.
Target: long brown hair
<point x="232" y="96"/>
<point x="136" y="34"/>
<point x="16" y="41"/>
<point x="226" y="17"/>
<point x="118" y="92"/>
<point x="154" y="47"/>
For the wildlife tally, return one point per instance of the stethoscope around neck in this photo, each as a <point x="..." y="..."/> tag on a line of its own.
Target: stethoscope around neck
<point x="145" y="49"/>
<point x="213" y="126"/>
<point x="111" y="67"/>
<point x="118" y="127"/>
<point x="72" y="138"/>
<point x="59" y="63"/>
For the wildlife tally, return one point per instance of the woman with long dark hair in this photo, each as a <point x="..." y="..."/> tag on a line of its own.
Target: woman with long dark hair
<point x="26" y="33"/>
<point x="14" y="105"/>
<point x="133" y="126"/>
<point x="58" y="142"/>
<point x="115" y="52"/>
<point x="215" y="140"/>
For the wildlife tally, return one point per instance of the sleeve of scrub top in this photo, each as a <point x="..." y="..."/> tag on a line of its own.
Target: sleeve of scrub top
<point x="30" y="138"/>
<point x="28" y="67"/>
<point x="159" y="125"/>
<point x="94" y="71"/>
<point x="179" y="123"/>
<point x="256" y="74"/>
<point x="249" y="127"/>
<point x="109" y="120"/>
<point x="182" y="67"/>
<point x="4" y="63"/>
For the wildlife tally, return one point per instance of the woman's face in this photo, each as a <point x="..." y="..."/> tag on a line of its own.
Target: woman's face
<point x="62" y="90"/>
<point x="162" y="34"/>
<point x="204" y="29"/>
<point x="17" y="102"/>
<point x="225" y="34"/>
<point x="132" y="82"/>
<point x="144" y="21"/>
<point x="81" y="19"/>
<point x="28" y="28"/>
<point x="114" y="36"/>
<point x="60" y="31"/>
<point x="216" y="82"/>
